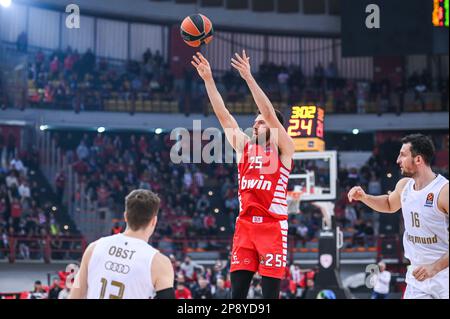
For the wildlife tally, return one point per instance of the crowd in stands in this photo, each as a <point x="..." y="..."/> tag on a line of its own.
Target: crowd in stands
<point x="110" y="166"/>
<point x="198" y="200"/>
<point x="68" y="79"/>
<point x="25" y="211"/>
<point x="193" y="281"/>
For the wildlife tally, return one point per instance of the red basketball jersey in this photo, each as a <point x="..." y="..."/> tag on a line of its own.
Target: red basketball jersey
<point x="263" y="181"/>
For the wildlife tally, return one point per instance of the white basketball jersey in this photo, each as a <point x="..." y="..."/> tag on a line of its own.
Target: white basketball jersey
<point x="120" y="268"/>
<point x="426" y="227"/>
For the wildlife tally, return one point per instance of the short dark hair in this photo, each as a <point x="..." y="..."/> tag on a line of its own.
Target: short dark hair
<point x="280" y="116"/>
<point x="141" y="206"/>
<point x="420" y="145"/>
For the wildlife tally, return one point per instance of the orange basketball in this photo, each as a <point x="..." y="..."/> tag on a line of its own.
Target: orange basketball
<point x="196" y="30"/>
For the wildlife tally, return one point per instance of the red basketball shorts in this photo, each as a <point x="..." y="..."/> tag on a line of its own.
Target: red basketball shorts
<point x="260" y="246"/>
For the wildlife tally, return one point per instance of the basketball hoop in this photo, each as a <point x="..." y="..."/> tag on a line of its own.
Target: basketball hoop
<point x="293" y="201"/>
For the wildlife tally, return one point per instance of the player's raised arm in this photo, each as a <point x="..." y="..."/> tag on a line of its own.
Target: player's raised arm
<point x="285" y="142"/>
<point x="80" y="285"/>
<point x="234" y="134"/>
<point x="383" y="203"/>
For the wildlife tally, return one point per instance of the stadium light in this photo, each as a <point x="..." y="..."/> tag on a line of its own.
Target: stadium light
<point x="5" y="3"/>
<point x="101" y="129"/>
<point x="42" y="127"/>
<point x="158" y="131"/>
<point x="355" y="131"/>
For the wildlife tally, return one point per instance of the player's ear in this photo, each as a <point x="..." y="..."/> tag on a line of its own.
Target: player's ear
<point x="125" y="217"/>
<point x="154" y="220"/>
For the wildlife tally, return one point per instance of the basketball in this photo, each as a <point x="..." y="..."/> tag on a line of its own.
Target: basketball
<point x="196" y="30"/>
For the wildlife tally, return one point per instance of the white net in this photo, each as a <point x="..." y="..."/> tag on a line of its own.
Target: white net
<point x="293" y="201"/>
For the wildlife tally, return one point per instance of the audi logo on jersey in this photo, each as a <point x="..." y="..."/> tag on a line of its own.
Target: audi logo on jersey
<point x="116" y="267"/>
<point x="260" y="183"/>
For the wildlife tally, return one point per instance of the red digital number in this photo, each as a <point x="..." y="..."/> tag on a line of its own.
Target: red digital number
<point x="319" y="129"/>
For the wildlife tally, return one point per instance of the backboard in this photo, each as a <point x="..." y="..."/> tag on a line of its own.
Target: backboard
<point x="314" y="175"/>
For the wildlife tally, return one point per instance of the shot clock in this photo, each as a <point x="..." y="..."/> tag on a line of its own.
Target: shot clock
<point x="306" y="128"/>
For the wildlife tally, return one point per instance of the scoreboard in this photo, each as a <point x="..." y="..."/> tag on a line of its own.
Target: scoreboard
<point x="440" y="15"/>
<point x="306" y="128"/>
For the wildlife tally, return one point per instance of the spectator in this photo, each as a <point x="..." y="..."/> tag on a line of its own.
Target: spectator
<point x="221" y="292"/>
<point x="203" y="290"/>
<point x="116" y="229"/>
<point x="39" y="292"/>
<point x="16" y="213"/>
<point x="22" y="42"/>
<point x="17" y="165"/>
<point x="203" y="204"/>
<point x="12" y="181"/>
<point x="331" y="76"/>
<point x="255" y="291"/>
<point x="189" y="267"/>
<point x="24" y="191"/>
<point x="382" y="282"/>
<point x="82" y="151"/>
<point x="374" y="187"/>
<point x="182" y="292"/>
<point x="55" y="289"/>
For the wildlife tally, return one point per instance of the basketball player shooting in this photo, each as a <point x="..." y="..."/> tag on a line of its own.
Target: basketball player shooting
<point x="125" y="266"/>
<point x="264" y="164"/>
<point x="423" y="197"/>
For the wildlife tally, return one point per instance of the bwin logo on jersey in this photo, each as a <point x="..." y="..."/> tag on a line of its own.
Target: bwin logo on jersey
<point x="256" y="184"/>
<point x="429" y="201"/>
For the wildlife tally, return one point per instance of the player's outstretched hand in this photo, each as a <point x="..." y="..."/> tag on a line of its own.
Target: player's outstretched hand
<point x="202" y="66"/>
<point x="242" y="64"/>
<point x="356" y="193"/>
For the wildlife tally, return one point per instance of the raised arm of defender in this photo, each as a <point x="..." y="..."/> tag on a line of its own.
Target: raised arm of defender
<point x="285" y="142"/>
<point x="383" y="203"/>
<point x="234" y="134"/>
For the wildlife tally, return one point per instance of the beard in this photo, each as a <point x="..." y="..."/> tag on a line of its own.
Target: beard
<point x="257" y="139"/>
<point x="407" y="174"/>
